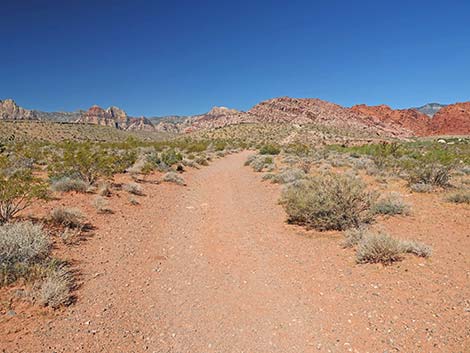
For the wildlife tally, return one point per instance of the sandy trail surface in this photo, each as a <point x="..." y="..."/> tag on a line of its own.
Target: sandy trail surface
<point x="213" y="267"/>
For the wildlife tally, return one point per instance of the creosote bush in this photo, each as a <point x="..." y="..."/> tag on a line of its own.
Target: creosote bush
<point x="328" y="202"/>
<point x="270" y="149"/>
<point x="18" y="189"/>
<point x="430" y="174"/>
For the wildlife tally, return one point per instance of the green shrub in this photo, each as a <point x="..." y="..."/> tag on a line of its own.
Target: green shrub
<point x="18" y="190"/>
<point x="329" y="201"/>
<point x="270" y="149"/>
<point x="171" y="157"/>
<point x="89" y="161"/>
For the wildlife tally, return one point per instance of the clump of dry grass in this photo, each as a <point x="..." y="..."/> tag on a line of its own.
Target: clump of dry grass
<point x="104" y="189"/>
<point x="460" y="196"/>
<point x="328" y="202"/>
<point x="55" y="290"/>
<point x="22" y="242"/>
<point x="415" y="247"/>
<point x="378" y="248"/>
<point x="172" y="177"/>
<point x="102" y="205"/>
<point x="70" y="236"/>
<point x="133" y="201"/>
<point x="68" y="217"/>
<point x="421" y="187"/>
<point x="133" y="188"/>
<point x="382" y="248"/>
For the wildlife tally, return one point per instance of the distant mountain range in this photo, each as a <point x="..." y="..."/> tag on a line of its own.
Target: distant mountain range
<point x="430" y="119"/>
<point x="430" y="109"/>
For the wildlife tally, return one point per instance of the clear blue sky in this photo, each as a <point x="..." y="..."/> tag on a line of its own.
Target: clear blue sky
<point x="183" y="57"/>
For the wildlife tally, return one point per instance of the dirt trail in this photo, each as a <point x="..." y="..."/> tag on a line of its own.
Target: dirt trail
<point x="213" y="267"/>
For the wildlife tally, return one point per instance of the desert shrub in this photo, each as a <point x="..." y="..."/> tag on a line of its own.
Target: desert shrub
<point x="288" y="176"/>
<point x="416" y="248"/>
<point x="189" y="163"/>
<point x="66" y="184"/>
<point x="18" y="190"/>
<point x="101" y="205"/>
<point x="70" y="236"/>
<point x="55" y="289"/>
<point x="134" y="188"/>
<point x="89" y="161"/>
<point x="68" y="217"/>
<point x="21" y="245"/>
<point x="430" y="174"/>
<point x="461" y="196"/>
<point x="298" y="149"/>
<point x="392" y="204"/>
<point x="378" y="248"/>
<point x="353" y="236"/>
<point x="260" y="162"/>
<point x="329" y="201"/>
<point x="104" y="189"/>
<point x="421" y="188"/>
<point x="270" y="149"/>
<point x="173" y="177"/>
<point x="133" y="201"/>
<point x="202" y="161"/>
<point x="171" y="157"/>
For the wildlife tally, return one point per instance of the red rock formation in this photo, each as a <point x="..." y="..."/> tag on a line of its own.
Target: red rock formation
<point x="317" y="111"/>
<point x="453" y="119"/>
<point x="409" y="119"/>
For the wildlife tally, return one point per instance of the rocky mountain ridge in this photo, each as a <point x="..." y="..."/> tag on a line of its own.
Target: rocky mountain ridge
<point x="379" y="120"/>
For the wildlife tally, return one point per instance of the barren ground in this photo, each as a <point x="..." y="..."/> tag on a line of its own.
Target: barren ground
<point x="213" y="267"/>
